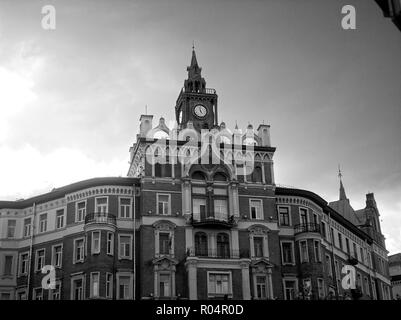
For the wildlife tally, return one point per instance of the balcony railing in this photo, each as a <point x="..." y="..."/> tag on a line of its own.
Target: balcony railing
<point x="100" y="217"/>
<point x="206" y="90"/>
<point x="214" y="221"/>
<point x="307" y="227"/>
<point x="222" y="253"/>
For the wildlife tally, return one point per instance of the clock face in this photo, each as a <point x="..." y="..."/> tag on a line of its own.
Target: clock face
<point x="200" y="111"/>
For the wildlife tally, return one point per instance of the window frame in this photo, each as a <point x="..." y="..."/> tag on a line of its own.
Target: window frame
<point x="129" y="208"/>
<point x="29" y="233"/>
<point x="301" y="257"/>
<point x="109" y="286"/>
<point x="111" y="252"/>
<point x="20" y="273"/>
<point x="13" y="228"/>
<point x="120" y="256"/>
<point x="53" y="259"/>
<point x="261" y="214"/>
<point x="73" y="280"/>
<point x="91" y="288"/>
<point x="292" y="252"/>
<point x="62" y="218"/>
<point x="45" y="222"/>
<point x="118" y="277"/>
<point x="74" y="258"/>
<point x="77" y="211"/>
<point x="37" y="259"/>
<point x="296" y="289"/>
<point x="289" y="216"/>
<point x="93" y="249"/>
<point x="218" y="272"/>
<point x="168" y="204"/>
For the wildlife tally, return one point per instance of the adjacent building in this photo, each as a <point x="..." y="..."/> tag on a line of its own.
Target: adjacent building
<point x="199" y="216"/>
<point x="395" y="273"/>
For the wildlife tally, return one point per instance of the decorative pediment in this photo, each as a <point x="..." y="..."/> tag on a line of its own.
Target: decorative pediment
<point x="258" y="229"/>
<point x="164" y="225"/>
<point x="261" y="265"/>
<point x="164" y="263"/>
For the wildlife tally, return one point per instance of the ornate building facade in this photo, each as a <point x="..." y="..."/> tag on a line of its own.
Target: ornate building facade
<point x="198" y="216"/>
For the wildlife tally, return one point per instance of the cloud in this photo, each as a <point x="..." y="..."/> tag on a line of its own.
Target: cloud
<point x="27" y="172"/>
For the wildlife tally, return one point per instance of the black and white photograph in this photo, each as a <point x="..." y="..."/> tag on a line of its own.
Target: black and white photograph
<point x="168" y="152"/>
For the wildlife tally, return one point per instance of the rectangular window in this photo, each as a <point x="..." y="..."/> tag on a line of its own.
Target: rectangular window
<point x="109" y="285"/>
<point x="5" y="296"/>
<point x="40" y="259"/>
<point x="355" y="253"/>
<point x="256" y="208"/>
<point x="27" y="227"/>
<point x="362" y="255"/>
<point x="303" y="216"/>
<point x="101" y="205"/>
<point x="57" y="256"/>
<point x="164" y="285"/>
<point x="38" y="294"/>
<point x="287" y="250"/>
<point x="8" y="266"/>
<point x="23" y="267"/>
<point x="78" y="289"/>
<point x="261" y="288"/>
<point x="125" y="207"/>
<point x="163" y="204"/>
<point x="324" y="233"/>
<point x="328" y="266"/>
<point x="289" y="289"/>
<point x="303" y="249"/>
<point x="80" y="211"/>
<point x="164" y="243"/>
<point x="333" y="240"/>
<point x="124" y="291"/>
<point x="284" y="216"/>
<point x="374" y="290"/>
<point x="43" y="222"/>
<point x="199" y="209"/>
<point x="95" y="242"/>
<point x="316" y="246"/>
<point x="220" y="209"/>
<point x="320" y="288"/>
<point x="347" y="245"/>
<point x="125" y="247"/>
<point x="258" y="246"/>
<point x="11" y="224"/>
<point x="60" y="219"/>
<point x="340" y="241"/>
<point x="110" y="243"/>
<point x="338" y="271"/>
<point x="95" y="276"/>
<point x="315" y="219"/>
<point x="79" y="250"/>
<point x="367" y="291"/>
<point x="55" y="294"/>
<point x="219" y="284"/>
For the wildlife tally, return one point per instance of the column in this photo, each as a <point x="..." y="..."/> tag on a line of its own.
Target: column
<point x="270" y="282"/>
<point x="234" y="242"/>
<point x="192" y="279"/>
<point x="246" y="290"/>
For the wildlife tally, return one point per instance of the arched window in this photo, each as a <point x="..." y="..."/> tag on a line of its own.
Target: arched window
<point x="167" y="165"/>
<point x="223" y="246"/>
<point x="219" y="176"/>
<point x="197" y="175"/>
<point x="257" y="174"/>
<point x="201" y="248"/>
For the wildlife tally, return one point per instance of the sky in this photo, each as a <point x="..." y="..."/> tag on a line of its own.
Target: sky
<point x="71" y="98"/>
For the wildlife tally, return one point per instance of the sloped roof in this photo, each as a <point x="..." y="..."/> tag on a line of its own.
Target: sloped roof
<point x="345" y="209"/>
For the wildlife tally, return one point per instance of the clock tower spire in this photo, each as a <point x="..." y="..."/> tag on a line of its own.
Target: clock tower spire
<point x="196" y="103"/>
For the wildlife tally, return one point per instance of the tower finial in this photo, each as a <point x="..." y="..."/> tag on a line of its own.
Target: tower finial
<point x="343" y="196"/>
<point x="193" y="45"/>
<point x="146" y="109"/>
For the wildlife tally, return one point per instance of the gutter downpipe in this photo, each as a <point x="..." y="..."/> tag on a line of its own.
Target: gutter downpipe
<point x="134" y="216"/>
<point x="31" y="252"/>
<point x="333" y="265"/>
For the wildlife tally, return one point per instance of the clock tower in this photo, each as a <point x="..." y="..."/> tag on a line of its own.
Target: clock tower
<point x="196" y="103"/>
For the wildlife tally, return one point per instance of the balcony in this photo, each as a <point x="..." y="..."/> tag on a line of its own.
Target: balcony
<point x="222" y="253"/>
<point x="204" y="91"/>
<point x="212" y="221"/>
<point x="307" y="228"/>
<point x="100" y="218"/>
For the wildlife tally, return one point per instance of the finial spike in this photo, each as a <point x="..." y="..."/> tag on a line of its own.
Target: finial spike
<point x="340" y="175"/>
<point x="146" y="109"/>
<point x="193" y="45"/>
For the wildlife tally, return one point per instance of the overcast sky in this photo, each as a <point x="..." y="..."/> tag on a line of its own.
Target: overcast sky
<point x="70" y="99"/>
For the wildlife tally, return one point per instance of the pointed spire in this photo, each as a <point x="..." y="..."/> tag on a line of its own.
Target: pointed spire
<point x="343" y="196"/>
